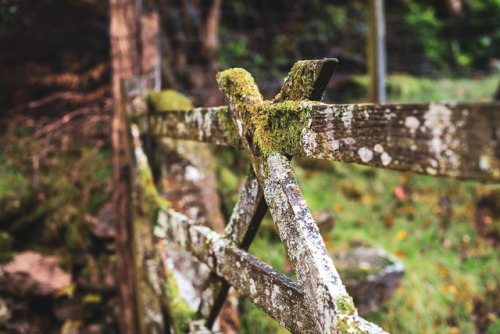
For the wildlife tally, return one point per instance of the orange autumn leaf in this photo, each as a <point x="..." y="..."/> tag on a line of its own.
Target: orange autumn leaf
<point x="400" y="253"/>
<point x="402" y="234"/>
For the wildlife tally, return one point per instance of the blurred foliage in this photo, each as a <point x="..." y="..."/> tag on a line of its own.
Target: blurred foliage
<point x="267" y="38"/>
<point x="51" y="184"/>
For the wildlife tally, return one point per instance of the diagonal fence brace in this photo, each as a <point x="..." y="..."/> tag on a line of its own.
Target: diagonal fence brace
<point x="265" y="128"/>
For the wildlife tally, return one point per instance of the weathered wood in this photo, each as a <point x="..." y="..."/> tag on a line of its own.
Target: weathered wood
<point x="453" y="139"/>
<point x="307" y="80"/>
<point x="124" y="39"/>
<point x="274" y="293"/>
<point x="325" y="296"/>
<point x="241" y="230"/>
<point x="448" y="139"/>
<point x="149" y="273"/>
<point x="323" y="289"/>
<point x="200" y="124"/>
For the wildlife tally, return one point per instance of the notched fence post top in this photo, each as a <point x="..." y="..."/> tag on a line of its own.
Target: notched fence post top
<point x="276" y="126"/>
<point x="307" y="80"/>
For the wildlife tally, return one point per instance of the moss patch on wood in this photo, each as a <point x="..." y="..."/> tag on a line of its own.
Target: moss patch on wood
<point x="150" y="192"/>
<point x="307" y="80"/>
<point x="168" y="100"/>
<point x="270" y="127"/>
<point x="228" y="126"/>
<point x="182" y="314"/>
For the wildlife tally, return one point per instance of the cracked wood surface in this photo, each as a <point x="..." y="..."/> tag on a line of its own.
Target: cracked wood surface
<point x="274" y="293"/>
<point x="450" y="139"/>
<point x="241" y="229"/>
<point x="324" y="293"/>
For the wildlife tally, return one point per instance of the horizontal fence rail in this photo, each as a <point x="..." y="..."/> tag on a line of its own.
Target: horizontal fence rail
<point x="451" y="139"/>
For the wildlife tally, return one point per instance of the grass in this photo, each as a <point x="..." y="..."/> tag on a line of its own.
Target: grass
<point x="403" y="88"/>
<point x="452" y="279"/>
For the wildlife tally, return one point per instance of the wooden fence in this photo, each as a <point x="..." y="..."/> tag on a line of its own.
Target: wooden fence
<point x="454" y="139"/>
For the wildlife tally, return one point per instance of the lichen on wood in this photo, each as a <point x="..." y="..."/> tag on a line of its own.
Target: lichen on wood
<point x="324" y="293"/>
<point x="307" y="80"/>
<point x="410" y="137"/>
<point x="273" y="292"/>
<point x="210" y="125"/>
<point x="145" y="177"/>
<point x="241" y="229"/>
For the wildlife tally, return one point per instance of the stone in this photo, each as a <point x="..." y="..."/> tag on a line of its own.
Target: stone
<point x="369" y="274"/>
<point x="31" y="273"/>
<point x="325" y="220"/>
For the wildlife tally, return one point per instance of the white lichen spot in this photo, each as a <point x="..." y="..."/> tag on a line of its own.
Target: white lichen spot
<point x="438" y="122"/>
<point x="366" y="114"/>
<point x="413" y="147"/>
<point x="431" y="171"/>
<point x="309" y="140"/>
<point x="253" y="289"/>
<point x="347" y="116"/>
<point x="181" y="128"/>
<point x="159" y="232"/>
<point x="378" y="148"/>
<point x="207" y="124"/>
<point x="193" y="174"/>
<point x="434" y="163"/>
<point x="335" y="144"/>
<point x="328" y="111"/>
<point x="240" y="127"/>
<point x="412" y="123"/>
<point x="267" y="292"/>
<point x="349" y="141"/>
<point x="365" y="154"/>
<point x="385" y="158"/>
<point x="238" y="264"/>
<point x="484" y="163"/>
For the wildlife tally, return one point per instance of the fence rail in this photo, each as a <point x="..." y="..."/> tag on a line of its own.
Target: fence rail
<point x="454" y="139"/>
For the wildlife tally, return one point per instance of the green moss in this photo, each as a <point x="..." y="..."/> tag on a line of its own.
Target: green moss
<point x="150" y="193"/>
<point x="227" y="124"/>
<point x="168" y="100"/>
<point x="300" y="82"/>
<point x="271" y="127"/>
<point x="278" y="127"/>
<point x="182" y="314"/>
<point x="345" y="305"/>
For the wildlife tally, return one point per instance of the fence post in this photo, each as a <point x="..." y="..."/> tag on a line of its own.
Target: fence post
<point x="124" y="25"/>
<point x="152" y="307"/>
<point x="376" y="55"/>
